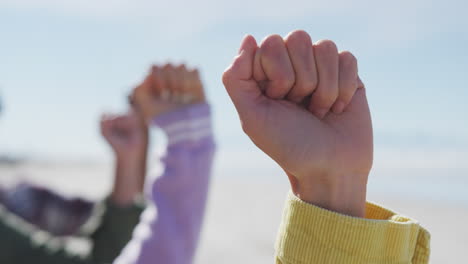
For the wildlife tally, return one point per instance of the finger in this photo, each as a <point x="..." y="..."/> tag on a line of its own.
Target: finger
<point x="275" y="62"/>
<point x="238" y="77"/>
<point x="196" y="87"/>
<point x="347" y="80"/>
<point x="183" y="78"/>
<point x="146" y="86"/>
<point x="179" y="73"/>
<point x="359" y="104"/>
<point x="157" y="81"/>
<point x="186" y="78"/>
<point x="258" y="72"/>
<point x="170" y="81"/>
<point x="326" y="59"/>
<point x="301" y="53"/>
<point x="143" y="91"/>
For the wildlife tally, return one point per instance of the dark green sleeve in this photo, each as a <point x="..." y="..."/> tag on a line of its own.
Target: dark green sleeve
<point x="22" y="243"/>
<point x="115" y="231"/>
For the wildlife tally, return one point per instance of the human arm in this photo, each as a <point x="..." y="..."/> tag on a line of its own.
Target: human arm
<point x="180" y="192"/>
<point x="127" y="136"/>
<point x="303" y="104"/>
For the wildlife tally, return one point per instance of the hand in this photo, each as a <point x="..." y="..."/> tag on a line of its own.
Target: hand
<point x="304" y="105"/>
<point x="166" y="89"/>
<point x="126" y="134"/>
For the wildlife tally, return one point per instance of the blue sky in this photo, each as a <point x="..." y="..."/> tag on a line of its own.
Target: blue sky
<point x="63" y="62"/>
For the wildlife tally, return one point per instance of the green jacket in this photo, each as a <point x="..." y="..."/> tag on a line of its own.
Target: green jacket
<point x="22" y="243"/>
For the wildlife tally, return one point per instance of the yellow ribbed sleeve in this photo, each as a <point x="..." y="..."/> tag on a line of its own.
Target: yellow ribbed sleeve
<point x="309" y="234"/>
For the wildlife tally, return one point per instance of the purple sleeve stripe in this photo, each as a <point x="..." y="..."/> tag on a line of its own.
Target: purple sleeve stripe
<point x="189" y="124"/>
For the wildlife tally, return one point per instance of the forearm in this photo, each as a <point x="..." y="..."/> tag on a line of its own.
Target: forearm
<point x="129" y="179"/>
<point x="179" y="193"/>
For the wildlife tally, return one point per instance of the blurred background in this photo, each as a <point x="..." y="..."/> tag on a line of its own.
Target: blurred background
<point x="64" y="62"/>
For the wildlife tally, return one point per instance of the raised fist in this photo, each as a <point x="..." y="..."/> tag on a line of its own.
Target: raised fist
<point x="304" y="105"/>
<point x="166" y="89"/>
<point x="126" y="134"/>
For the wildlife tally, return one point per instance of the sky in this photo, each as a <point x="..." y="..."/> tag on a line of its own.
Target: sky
<point x="62" y="63"/>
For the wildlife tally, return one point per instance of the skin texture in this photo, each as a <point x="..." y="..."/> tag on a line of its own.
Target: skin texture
<point x="304" y="105"/>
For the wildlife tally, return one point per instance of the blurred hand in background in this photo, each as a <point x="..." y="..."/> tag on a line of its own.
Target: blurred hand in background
<point x="167" y="88"/>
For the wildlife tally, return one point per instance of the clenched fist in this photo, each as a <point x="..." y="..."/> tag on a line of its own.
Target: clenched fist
<point x="126" y="134"/>
<point x="304" y="105"/>
<point x="165" y="89"/>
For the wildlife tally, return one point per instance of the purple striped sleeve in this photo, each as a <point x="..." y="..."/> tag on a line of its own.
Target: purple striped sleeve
<point x="168" y="232"/>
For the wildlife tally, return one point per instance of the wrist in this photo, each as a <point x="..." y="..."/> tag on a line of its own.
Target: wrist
<point x="129" y="179"/>
<point x="345" y="195"/>
<point x="128" y="160"/>
<point x="122" y="198"/>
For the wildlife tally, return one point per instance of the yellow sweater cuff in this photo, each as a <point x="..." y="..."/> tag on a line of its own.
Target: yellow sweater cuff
<point x="309" y="234"/>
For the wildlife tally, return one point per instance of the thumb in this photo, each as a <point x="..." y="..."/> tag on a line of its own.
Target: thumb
<point x="238" y="77"/>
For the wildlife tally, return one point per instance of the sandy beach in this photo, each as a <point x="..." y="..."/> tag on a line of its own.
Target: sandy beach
<point x="243" y="216"/>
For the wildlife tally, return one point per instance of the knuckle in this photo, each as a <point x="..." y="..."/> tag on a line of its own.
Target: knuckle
<point x="326" y="97"/>
<point x="271" y="42"/>
<point x="327" y="45"/>
<point x="287" y="82"/>
<point x="346" y="94"/>
<point x="310" y="84"/>
<point x="168" y="66"/>
<point x="298" y="36"/>
<point x="305" y="87"/>
<point x="181" y="68"/>
<point x="282" y="85"/>
<point x="347" y="58"/>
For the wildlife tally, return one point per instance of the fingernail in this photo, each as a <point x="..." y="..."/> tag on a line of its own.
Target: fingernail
<point x="320" y="113"/>
<point x="338" y="107"/>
